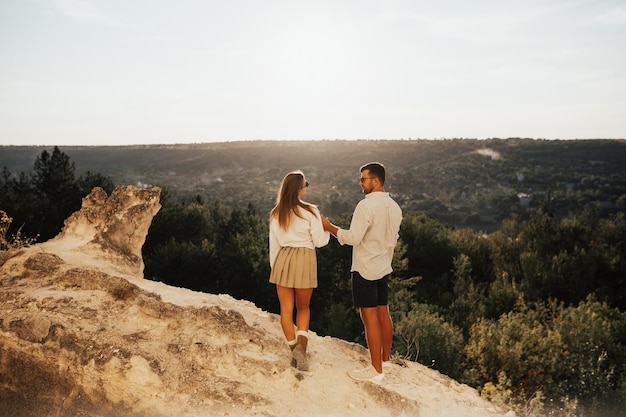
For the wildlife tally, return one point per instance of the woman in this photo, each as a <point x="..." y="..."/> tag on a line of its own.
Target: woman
<point x="295" y="231"/>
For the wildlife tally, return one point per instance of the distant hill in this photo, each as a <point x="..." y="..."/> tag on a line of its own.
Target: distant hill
<point x="464" y="182"/>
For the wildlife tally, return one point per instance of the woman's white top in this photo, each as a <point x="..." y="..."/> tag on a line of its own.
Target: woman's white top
<point x="303" y="232"/>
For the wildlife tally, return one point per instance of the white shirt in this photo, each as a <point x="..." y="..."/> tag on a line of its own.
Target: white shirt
<point x="373" y="235"/>
<point x="303" y="232"/>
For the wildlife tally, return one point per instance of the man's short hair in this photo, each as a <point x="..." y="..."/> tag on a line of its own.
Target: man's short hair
<point x="376" y="169"/>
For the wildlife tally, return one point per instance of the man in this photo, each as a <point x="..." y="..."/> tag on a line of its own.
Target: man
<point x="373" y="235"/>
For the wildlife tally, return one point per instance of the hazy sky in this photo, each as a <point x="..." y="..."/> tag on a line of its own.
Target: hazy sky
<point x="78" y="72"/>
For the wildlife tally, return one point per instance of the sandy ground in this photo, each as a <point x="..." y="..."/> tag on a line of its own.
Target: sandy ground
<point x="147" y="347"/>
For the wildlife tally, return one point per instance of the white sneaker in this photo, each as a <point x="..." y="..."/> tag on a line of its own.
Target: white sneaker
<point x="368" y="373"/>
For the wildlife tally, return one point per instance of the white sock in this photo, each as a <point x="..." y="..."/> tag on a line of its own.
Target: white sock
<point x="303" y="333"/>
<point x="292" y="342"/>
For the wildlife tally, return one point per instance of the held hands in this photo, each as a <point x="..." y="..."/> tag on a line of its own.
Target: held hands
<point x="328" y="226"/>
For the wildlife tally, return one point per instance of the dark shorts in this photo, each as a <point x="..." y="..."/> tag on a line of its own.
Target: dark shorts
<point x="366" y="293"/>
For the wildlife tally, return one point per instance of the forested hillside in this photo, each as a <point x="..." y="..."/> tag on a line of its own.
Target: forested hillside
<point x="510" y="273"/>
<point x="463" y="182"/>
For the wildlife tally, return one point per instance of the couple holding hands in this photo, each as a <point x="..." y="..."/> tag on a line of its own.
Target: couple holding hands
<point x="297" y="228"/>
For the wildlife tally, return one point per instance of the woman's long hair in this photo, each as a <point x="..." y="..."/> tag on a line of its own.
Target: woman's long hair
<point x="288" y="201"/>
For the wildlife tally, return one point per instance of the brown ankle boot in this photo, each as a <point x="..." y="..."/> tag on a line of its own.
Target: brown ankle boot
<point x="299" y="353"/>
<point x="294" y="362"/>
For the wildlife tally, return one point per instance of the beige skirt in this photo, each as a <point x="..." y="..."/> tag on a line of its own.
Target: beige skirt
<point x="295" y="268"/>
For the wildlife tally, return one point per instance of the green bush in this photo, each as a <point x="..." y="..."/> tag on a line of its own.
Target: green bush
<point x="564" y="354"/>
<point x="423" y="335"/>
<point x="592" y="366"/>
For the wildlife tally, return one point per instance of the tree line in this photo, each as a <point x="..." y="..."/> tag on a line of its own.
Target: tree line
<point x="468" y="183"/>
<point x="40" y="201"/>
<point x="533" y="314"/>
